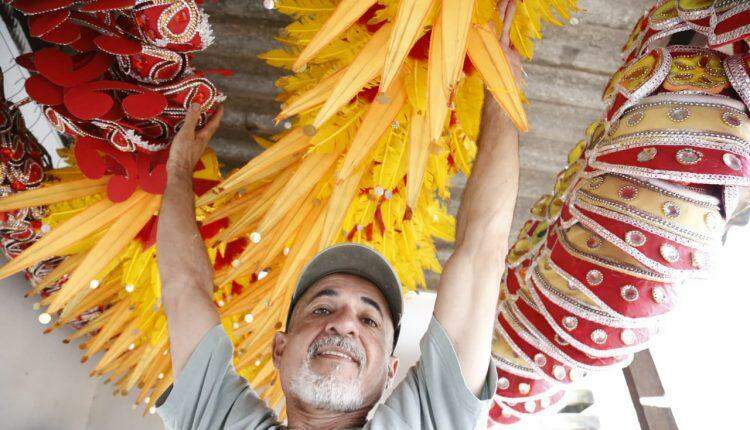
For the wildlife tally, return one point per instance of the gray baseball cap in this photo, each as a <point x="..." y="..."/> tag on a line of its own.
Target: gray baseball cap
<point x="359" y="260"/>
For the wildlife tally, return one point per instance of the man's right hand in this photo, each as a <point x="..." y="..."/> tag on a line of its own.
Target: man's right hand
<point x="189" y="144"/>
<point x="185" y="270"/>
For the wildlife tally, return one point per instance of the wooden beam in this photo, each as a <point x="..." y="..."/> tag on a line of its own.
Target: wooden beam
<point x="643" y="382"/>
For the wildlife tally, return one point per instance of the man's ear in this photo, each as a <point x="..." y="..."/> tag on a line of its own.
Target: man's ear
<point x="393" y="368"/>
<point x="279" y="345"/>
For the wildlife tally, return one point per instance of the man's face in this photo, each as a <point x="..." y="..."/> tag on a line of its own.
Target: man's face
<point x="336" y="354"/>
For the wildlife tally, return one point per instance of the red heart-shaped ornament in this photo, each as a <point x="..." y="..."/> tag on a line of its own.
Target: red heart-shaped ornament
<point x="88" y="159"/>
<point x="44" y="92"/>
<point x="144" y="106"/>
<point x="105" y="5"/>
<point x="117" y="45"/>
<point x="59" y="67"/>
<point x="120" y="188"/>
<point x="33" y="7"/>
<point x="86" y="104"/>
<point x="41" y="24"/>
<point x="65" y="34"/>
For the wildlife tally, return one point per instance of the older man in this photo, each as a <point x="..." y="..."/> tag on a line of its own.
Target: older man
<point x="335" y="358"/>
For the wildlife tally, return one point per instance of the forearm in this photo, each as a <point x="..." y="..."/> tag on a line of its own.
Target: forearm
<point x="485" y="215"/>
<point x="469" y="286"/>
<point x="183" y="261"/>
<point x="185" y="272"/>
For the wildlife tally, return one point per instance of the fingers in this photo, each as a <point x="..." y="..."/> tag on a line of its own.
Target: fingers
<point x="211" y="126"/>
<point x="510" y="12"/>
<point x="191" y="120"/>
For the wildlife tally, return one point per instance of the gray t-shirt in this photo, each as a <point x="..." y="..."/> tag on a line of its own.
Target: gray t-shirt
<point x="209" y="395"/>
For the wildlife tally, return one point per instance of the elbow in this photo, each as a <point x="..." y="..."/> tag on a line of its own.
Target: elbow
<point x="486" y="241"/>
<point x="184" y="300"/>
<point x="484" y="253"/>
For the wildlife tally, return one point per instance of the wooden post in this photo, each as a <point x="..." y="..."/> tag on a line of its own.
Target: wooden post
<point x="643" y="381"/>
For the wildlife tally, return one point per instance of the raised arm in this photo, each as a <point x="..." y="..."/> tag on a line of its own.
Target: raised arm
<point x="468" y="291"/>
<point x="184" y="268"/>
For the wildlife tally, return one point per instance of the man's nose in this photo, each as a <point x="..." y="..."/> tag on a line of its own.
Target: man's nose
<point x="343" y="322"/>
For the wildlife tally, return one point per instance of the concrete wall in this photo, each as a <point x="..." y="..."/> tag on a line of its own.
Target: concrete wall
<point x="43" y="385"/>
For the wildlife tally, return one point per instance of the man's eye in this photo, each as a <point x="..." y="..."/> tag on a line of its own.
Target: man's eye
<point x="321" y="311"/>
<point x="370" y="322"/>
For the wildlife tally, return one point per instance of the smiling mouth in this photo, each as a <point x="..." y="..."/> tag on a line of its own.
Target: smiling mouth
<point x="337" y="355"/>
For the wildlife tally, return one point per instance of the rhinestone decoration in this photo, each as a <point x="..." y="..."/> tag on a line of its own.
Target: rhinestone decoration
<point x="503" y="383"/>
<point x="659" y="294"/>
<point x="628" y="337"/>
<point x="594" y="242"/>
<point x="255" y="237"/>
<point x="570" y="323"/>
<point x="524" y="388"/>
<point x="530" y="406"/>
<point x="635" y="238"/>
<point x="688" y="156"/>
<point x="635" y="119"/>
<point x="731" y="119"/>
<point x="646" y="154"/>
<point x="698" y="260"/>
<point x="629" y="293"/>
<point x="594" y="277"/>
<point x="596" y="182"/>
<point x="669" y="253"/>
<point x="599" y="336"/>
<point x="558" y="372"/>
<point x="628" y="192"/>
<point x="679" y="114"/>
<point x="732" y="161"/>
<point x="712" y="220"/>
<point x="540" y="360"/>
<point x="670" y="210"/>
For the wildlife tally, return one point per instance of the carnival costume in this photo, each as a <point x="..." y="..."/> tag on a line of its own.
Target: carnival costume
<point x="642" y="207"/>
<point x="116" y="78"/>
<point x="383" y="109"/>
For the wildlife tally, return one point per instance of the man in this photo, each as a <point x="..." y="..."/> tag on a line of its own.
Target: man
<point x="335" y="358"/>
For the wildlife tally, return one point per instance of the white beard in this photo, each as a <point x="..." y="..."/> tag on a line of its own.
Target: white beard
<point x="329" y="393"/>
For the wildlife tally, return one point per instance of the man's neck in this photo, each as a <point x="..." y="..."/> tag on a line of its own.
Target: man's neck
<point x="302" y="418"/>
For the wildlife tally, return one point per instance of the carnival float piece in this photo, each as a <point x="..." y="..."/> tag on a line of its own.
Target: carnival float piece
<point x="115" y="77"/>
<point x="641" y="207"/>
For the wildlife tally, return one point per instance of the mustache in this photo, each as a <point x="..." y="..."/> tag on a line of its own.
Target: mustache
<point x="340" y="342"/>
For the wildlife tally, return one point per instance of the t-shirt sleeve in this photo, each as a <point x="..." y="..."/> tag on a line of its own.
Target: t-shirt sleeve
<point x="434" y="395"/>
<point x="210" y="395"/>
